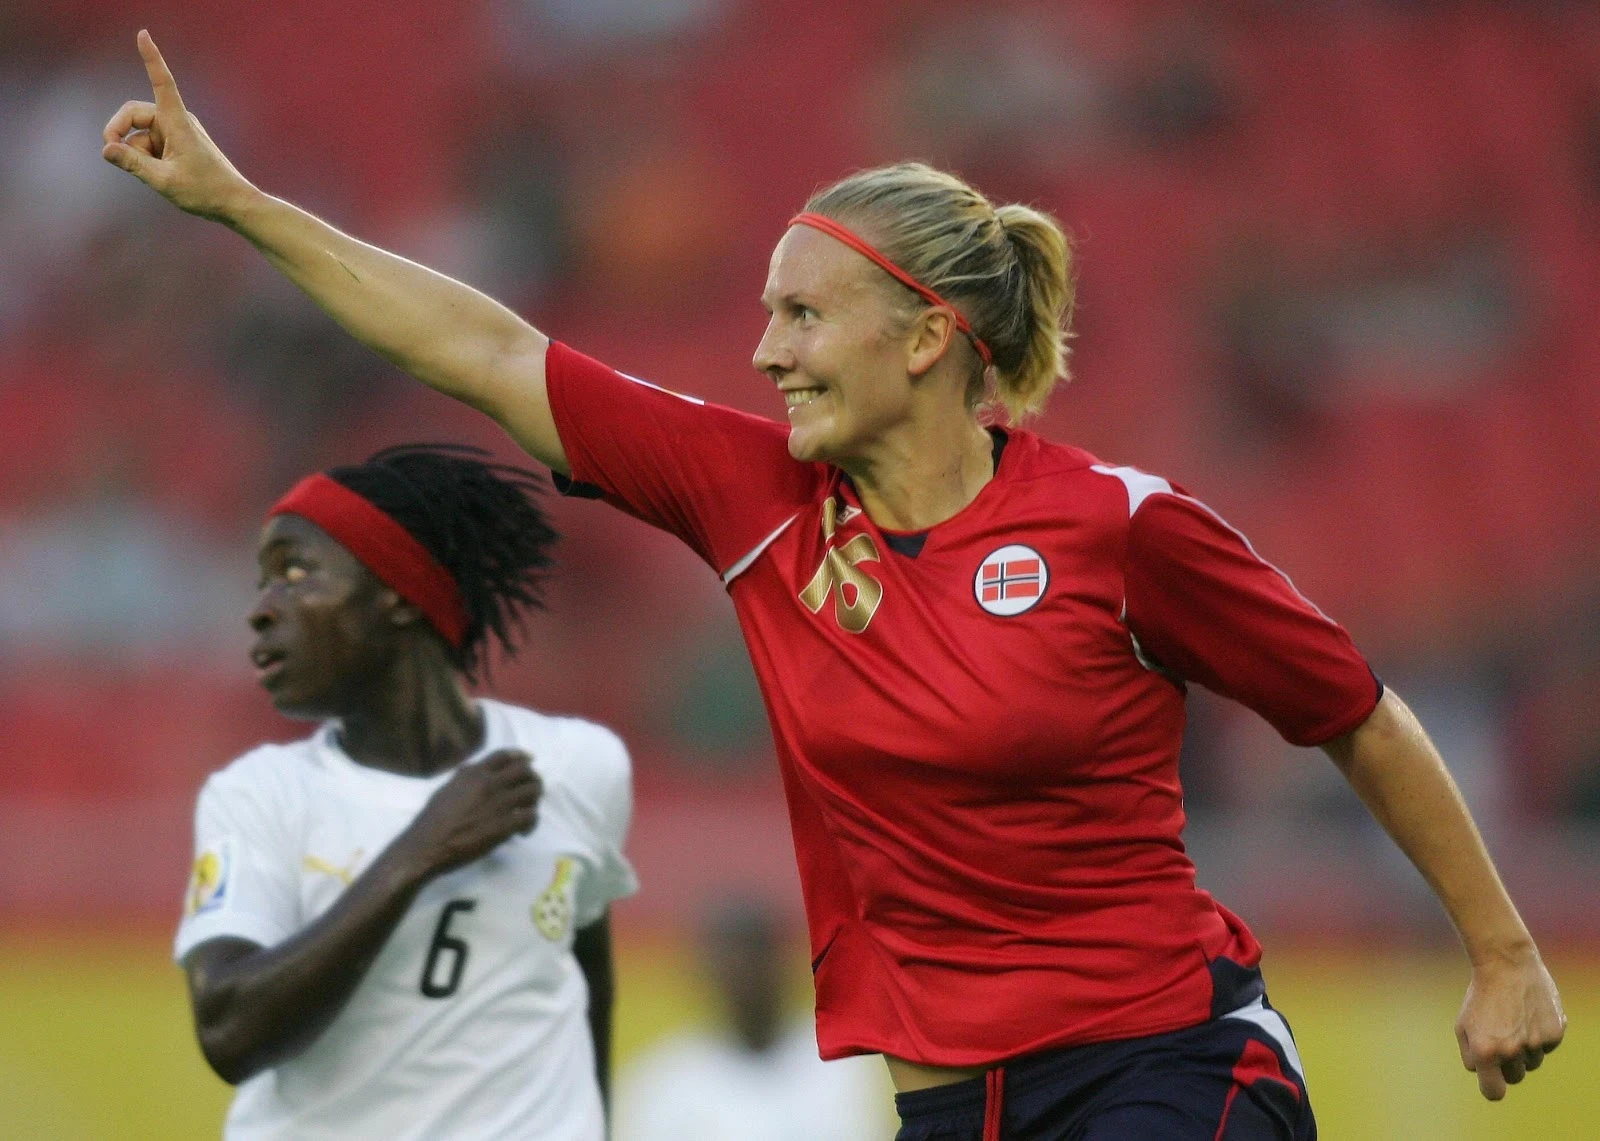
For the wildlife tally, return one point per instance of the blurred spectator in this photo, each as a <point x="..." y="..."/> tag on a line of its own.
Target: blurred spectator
<point x="1177" y="87"/>
<point x="114" y="579"/>
<point x="1013" y="87"/>
<point x="758" y="1078"/>
<point x="1412" y="315"/>
<point x="713" y="708"/>
<point x="52" y="204"/>
<point x="1555" y="727"/>
<point x="603" y="24"/>
<point x="565" y="35"/>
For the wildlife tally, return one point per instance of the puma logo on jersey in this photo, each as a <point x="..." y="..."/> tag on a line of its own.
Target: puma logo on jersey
<point x="344" y="875"/>
<point x="552" y="911"/>
<point x="855" y="593"/>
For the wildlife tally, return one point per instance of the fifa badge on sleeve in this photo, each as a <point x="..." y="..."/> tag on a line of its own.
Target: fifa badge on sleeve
<point x="213" y="873"/>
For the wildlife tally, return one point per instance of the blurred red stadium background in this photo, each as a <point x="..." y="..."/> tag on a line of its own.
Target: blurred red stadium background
<point x="1338" y="272"/>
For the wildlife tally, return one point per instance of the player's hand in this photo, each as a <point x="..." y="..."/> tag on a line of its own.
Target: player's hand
<point x="1510" y="1020"/>
<point x="475" y="811"/>
<point x="165" y="147"/>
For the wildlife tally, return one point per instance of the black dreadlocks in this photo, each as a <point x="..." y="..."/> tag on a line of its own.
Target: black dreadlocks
<point x="480" y="519"/>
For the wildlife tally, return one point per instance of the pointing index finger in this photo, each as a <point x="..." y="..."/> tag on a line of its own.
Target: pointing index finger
<point x="161" y="81"/>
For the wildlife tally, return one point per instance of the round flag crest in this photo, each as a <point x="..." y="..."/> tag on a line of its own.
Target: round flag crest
<point x="1011" y="580"/>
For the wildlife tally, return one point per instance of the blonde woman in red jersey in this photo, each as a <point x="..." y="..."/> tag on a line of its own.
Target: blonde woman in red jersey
<point x="972" y="643"/>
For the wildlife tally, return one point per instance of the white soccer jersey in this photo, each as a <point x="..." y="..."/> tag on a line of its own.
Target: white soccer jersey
<point x="472" y="1021"/>
<point x="698" y="1087"/>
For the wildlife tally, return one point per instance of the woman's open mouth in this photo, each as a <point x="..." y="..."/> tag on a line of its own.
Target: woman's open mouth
<point x="799" y="397"/>
<point x="269" y="664"/>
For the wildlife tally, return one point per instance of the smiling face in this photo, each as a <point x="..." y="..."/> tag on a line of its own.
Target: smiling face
<point x="325" y="625"/>
<point x="836" y="347"/>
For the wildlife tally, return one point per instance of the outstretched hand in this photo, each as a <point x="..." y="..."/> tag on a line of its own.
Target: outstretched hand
<point x="165" y="147"/>
<point x="1511" y="1019"/>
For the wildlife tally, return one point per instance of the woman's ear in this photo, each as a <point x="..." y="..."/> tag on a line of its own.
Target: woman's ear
<point x="931" y="334"/>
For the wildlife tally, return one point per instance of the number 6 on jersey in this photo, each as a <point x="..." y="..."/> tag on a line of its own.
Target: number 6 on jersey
<point x="443" y="941"/>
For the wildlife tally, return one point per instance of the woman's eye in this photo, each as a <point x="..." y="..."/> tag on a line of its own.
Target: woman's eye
<point x="294" y="572"/>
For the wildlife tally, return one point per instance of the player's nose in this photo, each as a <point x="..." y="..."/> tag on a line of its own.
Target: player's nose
<point x="264" y="614"/>
<point x="773" y="355"/>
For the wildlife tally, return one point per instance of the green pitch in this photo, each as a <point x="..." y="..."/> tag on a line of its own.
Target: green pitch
<point x="95" y="1041"/>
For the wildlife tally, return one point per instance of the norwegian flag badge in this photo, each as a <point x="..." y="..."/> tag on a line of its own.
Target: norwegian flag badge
<point x="1011" y="580"/>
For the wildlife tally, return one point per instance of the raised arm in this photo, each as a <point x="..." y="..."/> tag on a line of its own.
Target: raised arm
<point x="255" y="1006"/>
<point x="1512" y="1015"/>
<point x="444" y="333"/>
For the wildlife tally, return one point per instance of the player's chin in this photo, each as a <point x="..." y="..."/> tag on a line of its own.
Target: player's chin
<point x="297" y="701"/>
<point x="811" y="438"/>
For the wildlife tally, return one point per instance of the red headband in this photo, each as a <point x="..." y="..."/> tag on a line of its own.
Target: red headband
<point x="861" y="246"/>
<point x="384" y="547"/>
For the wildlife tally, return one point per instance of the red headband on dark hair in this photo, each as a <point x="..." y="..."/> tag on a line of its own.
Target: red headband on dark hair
<point x="861" y="246"/>
<point x="384" y="547"/>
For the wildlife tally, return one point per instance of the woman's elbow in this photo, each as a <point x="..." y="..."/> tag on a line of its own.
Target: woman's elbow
<point x="224" y="1050"/>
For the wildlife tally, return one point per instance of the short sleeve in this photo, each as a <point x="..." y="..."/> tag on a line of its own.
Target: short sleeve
<point x="607" y="792"/>
<point x="721" y="480"/>
<point x="1202" y="604"/>
<point x="245" y="880"/>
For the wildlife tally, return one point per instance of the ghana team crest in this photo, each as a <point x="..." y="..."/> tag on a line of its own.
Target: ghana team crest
<point x="1010" y="580"/>
<point x="552" y="911"/>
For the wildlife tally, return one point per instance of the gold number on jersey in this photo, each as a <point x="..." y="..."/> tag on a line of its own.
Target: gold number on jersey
<point x="856" y="594"/>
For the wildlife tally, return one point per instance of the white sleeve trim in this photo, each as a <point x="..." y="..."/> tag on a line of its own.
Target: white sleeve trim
<point x="658" y="388"/>
<point x="236" y="925"/>
<point x="743" y="564"/>
<point x="1141" y="485"/>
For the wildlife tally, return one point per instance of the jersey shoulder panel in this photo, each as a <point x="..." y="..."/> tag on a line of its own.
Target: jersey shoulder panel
<point x="273" y="775"/>
<point x="1069" y="483"/>
<point x="582" y="758"/>
<point x="1127" y="494"/>
<point x="1138" y="485"/>
<point x="1039" y="456"/>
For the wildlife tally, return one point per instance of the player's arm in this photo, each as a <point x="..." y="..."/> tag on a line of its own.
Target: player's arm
<point x="591" y="946"/>
<point x="1203" y="602"/>
<point x="444" y="333"/>
<point x="1512" y="1015"/>
<point x="255" y="1006"/>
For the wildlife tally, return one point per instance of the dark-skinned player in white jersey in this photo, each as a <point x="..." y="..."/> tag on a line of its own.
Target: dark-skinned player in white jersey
<point x="398" y="927"/>
<point x="972" y="644"/>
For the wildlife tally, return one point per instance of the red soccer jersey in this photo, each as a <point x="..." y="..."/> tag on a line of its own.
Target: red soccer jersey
<point x="980" y="743"/>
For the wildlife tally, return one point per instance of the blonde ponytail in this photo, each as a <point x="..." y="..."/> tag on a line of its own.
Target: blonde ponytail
<point x="1045" y="309"/>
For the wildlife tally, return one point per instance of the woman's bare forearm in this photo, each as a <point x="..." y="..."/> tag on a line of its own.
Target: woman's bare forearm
<point x="439" y="330"/>
<point x="255" y="1007"/>
<point x="1399" y="775"/>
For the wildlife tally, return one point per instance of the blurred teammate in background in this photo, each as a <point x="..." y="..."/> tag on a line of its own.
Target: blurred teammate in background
<point x="973" y="645"/>
<point x="759" y="1077"/>
<point x="396" y="926"/>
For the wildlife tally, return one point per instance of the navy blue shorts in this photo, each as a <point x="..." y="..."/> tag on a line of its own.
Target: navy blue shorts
<point x="1234" y="1078"/>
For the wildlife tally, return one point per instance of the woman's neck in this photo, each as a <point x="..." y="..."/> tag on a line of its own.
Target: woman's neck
<point x="918" y="480"/>
<point x="420" y="722"/>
